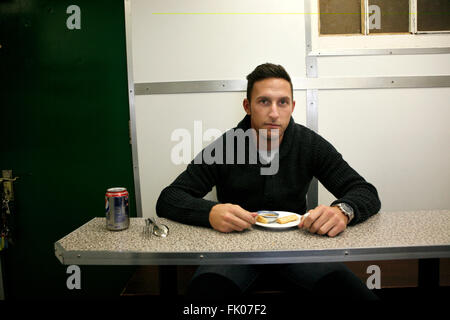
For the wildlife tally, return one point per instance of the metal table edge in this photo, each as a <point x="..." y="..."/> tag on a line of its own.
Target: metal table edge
<point x="259" y="257"/>
<point x="60" y="252"/>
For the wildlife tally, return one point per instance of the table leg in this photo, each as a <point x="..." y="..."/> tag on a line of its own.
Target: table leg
<point x="428" y="273"/>
<point x="168" y="282"/>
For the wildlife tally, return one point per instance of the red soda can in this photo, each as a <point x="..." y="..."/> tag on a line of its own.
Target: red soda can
<point x="116" y="209"/>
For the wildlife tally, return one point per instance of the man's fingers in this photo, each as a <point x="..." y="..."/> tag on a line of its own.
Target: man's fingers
<point x="238" y="219"/>
<point x="312" y="216"/>
<point x="323" y="220"/>
<point x="243" y="214"/>
<point x="302" y="219"/>
<point x="228" y="217"/>
<point x="228" y="227"/>
<point x="319" y="222"/>
<point x="238" y="223"/>
<point x="338" y="228"/>
<point x="324" y="228"/>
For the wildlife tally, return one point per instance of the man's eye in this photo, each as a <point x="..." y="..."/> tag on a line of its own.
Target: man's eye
<point x="264" y="101"/>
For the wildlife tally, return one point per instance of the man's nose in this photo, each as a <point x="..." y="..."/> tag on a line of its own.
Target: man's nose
<point x="274" y="111"/>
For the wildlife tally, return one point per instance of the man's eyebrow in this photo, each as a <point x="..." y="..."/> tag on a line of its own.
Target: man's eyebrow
<point x="269" y="98"/>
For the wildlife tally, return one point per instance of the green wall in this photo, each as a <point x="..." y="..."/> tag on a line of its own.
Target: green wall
<point x="64" y="131"/>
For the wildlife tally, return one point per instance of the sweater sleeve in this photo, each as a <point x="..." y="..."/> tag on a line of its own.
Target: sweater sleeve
<point x="344" y="182"/>
<point x="183" y="201"/>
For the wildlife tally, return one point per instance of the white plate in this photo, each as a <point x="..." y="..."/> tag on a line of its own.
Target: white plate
<point x="276" y="225"/>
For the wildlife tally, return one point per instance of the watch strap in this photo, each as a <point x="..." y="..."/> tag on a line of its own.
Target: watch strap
<point x="350" y="215"/>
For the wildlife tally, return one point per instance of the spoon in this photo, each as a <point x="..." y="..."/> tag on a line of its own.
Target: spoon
<point x="159" y="230"/>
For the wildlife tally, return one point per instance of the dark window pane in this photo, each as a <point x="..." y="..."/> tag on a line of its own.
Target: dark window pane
<point x="340" y="16"/>
<point x="433" y="15"/>
<point x="387" y="16"/>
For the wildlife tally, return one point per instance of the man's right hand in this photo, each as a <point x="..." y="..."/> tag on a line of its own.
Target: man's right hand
<point x="230" y="217"/>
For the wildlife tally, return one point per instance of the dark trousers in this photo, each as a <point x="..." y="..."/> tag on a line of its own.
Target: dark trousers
<point x="305" y="280"/>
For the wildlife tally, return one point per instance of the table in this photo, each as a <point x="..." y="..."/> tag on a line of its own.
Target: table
<point x="421" y="235"/>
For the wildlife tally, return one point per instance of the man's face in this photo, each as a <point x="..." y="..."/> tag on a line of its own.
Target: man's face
<point x="270" y="107"/>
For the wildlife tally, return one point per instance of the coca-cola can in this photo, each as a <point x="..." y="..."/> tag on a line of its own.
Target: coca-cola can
<point x="116" y="209"/>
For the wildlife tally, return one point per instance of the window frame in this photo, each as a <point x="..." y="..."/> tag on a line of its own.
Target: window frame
<point x="415" y="42"/>
<point x="413" y="21"/>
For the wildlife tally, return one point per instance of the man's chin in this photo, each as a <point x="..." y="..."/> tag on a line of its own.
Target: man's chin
<point x="275" y="132"/>
<point x="269" y="139"/>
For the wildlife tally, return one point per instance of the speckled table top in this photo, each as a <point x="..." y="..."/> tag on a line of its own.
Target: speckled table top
<point x="383" y="230"/>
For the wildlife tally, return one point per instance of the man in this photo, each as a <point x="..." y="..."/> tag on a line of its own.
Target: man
<point x="244" y="188"/>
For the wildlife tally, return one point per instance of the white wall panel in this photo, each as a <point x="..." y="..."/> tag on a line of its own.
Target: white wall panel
<point x="176" y="47"/>
<point x="397" y="139"/>
<point x="396" y="65"/>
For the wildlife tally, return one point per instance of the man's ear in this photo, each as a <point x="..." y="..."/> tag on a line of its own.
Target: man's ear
<point x="246" y="105"/>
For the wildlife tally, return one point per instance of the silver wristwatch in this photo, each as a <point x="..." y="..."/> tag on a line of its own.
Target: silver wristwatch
<point x="346" y="209"/>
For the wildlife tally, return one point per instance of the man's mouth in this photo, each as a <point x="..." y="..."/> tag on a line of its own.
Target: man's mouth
<point x="272" y="125"/>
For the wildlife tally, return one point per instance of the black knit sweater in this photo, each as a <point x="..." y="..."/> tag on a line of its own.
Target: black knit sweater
<point x="304" y="154"/>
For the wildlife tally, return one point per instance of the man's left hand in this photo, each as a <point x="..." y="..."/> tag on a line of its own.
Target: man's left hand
<point x="324" y="220"/>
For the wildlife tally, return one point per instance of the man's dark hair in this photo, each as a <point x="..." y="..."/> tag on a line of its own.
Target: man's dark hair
<point x="265" y="71"/>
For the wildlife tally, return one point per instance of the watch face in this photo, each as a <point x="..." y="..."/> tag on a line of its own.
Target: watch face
<point x="346" y="207"/>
